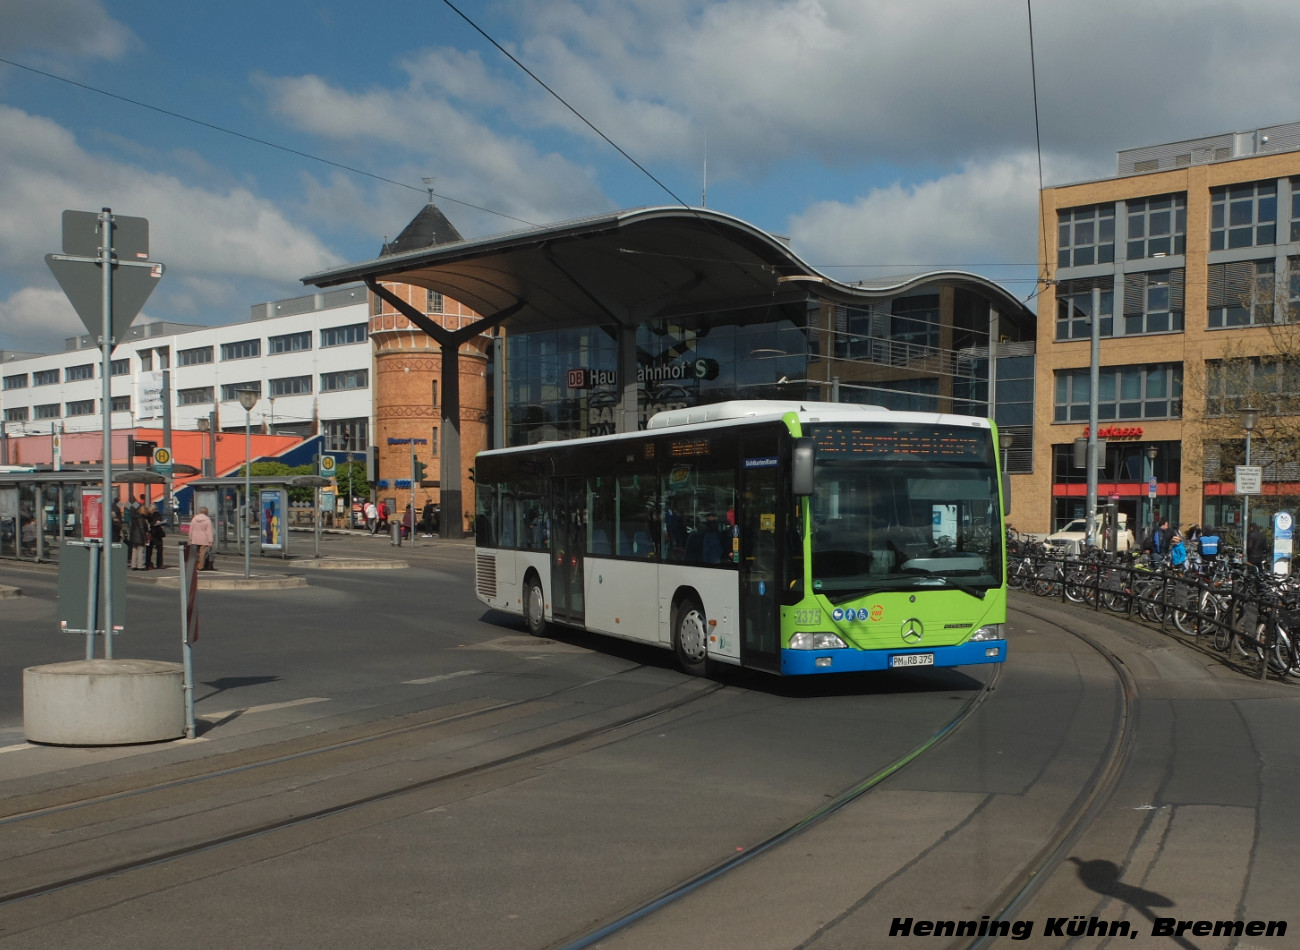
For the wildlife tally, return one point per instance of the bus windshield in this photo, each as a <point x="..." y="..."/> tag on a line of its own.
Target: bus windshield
<point x="904" y="510"/>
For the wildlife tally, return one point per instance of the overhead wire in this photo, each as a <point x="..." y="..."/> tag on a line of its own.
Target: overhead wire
<point x="1045" y="280"/>
<point x="560" y="99"/>
<point x="254" y="139"/>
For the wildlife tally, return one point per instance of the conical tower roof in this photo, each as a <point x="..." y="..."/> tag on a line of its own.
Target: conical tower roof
<point x="429" y="228"/>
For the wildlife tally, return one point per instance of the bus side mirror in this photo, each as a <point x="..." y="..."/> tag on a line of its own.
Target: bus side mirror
<point x="1006" y="493"/>
<point x="801" y="469"/>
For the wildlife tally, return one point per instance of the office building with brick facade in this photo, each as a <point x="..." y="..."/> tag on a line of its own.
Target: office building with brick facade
<point x="1187" y="258"/>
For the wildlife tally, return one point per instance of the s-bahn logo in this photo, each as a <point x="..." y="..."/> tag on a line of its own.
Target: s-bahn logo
<point x="912" y="631"/>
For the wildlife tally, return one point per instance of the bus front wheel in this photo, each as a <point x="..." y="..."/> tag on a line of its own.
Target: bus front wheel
<point x="534" y="607"/>
<point x="690" y="638"/>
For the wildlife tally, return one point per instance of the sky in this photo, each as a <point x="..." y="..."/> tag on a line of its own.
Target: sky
<point x="265" y="142"/>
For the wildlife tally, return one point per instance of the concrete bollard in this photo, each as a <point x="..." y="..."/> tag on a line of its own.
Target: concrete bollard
<point x="104" y="702"/>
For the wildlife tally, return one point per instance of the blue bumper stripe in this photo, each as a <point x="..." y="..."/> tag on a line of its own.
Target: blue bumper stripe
<point x="804" y="662"/>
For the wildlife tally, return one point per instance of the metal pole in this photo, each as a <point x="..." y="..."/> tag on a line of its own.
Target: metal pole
<point x="106" y="407"/>
<point x="248" y="489"/>
<point x="164" y="506"/>
<point x="188" y="553"/>
<point x="1094" y="383"/>
<point x="412" y="493"/>
<point x="1245" y="503"/>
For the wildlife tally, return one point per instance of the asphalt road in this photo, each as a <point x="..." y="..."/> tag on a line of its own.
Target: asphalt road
<point x="522" y="793"/>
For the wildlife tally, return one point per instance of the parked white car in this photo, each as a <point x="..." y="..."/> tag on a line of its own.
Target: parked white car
<point x="1070" y="539"/>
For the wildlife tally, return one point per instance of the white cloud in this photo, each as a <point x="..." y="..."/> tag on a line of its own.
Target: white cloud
<point x="36" y="320"/>
<point x="976" y="219"/>
<point x="64" y="29"/>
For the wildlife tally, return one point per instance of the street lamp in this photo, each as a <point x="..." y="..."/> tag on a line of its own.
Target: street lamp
<point x="248" y="399"/>
<point x="1005" y="441"/>
<point x="1249" y="417"/>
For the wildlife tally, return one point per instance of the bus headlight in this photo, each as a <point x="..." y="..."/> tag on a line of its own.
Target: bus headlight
<point x="992" y="632"/>
<point x="817" y="641"/>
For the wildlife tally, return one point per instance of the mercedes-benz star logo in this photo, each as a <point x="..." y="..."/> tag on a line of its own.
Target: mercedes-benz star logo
<point x="913" y="631"/>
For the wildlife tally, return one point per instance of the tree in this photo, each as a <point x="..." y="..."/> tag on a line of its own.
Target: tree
<point x="351" y="479"/>
<point x="1259" y="371"/>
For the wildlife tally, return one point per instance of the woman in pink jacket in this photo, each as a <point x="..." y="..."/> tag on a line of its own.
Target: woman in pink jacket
<point x="202" y="537"/>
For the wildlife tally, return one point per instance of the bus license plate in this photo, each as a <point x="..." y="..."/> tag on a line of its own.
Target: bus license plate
<point x="913" y="659"/>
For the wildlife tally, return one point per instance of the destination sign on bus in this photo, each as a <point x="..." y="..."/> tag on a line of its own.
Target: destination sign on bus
<point x="902" y="442"/>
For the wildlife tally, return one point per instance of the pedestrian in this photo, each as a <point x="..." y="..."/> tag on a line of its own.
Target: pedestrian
<point x="426" y="518"/>
<point x="1209" y="545"/>
<point x="137" y="530"/>
<point x="202" y="536"/>
<point x="1177" y="551"/>
<point x="382" y="515"/>
<point x="408" y="521"/>
<point x="117" y="522"/>
<point x="157" y="534"/>
<point x="1160" y="537"/>
<point x="1256" y="547"/>
<point x="372" y="516"/>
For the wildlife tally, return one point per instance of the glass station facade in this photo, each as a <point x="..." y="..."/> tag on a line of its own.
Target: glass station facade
<point x="926" y="350"/>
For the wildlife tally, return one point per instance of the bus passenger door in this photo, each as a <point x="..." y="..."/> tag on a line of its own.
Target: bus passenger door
<point x="758" y="519"/>
<point x="568" y="547"/>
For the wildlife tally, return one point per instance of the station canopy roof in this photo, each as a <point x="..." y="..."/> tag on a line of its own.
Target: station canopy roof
<point x="627" y="268"/>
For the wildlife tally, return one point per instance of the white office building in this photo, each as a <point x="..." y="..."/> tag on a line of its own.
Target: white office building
<point x="308" y="357"/>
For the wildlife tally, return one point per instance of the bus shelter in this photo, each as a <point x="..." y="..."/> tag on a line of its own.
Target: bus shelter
<point x="39" y="510"/>
<point x="270" y="517"/>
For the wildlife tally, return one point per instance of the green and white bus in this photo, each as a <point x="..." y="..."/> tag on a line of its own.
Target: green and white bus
<point x="795" y="538"/>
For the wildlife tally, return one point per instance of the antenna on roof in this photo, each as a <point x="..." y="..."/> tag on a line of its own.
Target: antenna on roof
<point x="428" y="186"/>
<point x="704" y="187"/>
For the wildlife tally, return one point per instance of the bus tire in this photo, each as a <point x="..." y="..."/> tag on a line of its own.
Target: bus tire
<point x="534" y="606"/>
<point x="691" y="637"/>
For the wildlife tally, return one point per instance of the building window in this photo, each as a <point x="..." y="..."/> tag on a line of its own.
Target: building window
<point x="341" y="336"/>
<point x="915" y="320"/>
<point x="230" y="391"/>
<point x="17" y="414"/>
<point x="1086" y="236"/>
<point x="243" y="350"/>
<point x="290" y="386"/>
<point x="121" y="404"/>
<point x="146" y="361"/>
<point x="376" y="305"/>
<point x="1270" y="384"/>
<point x="16" y="382"/>
<point x="199" y="396"/>
<point x="1243" y="215"/>
<point x="45" y="377"/>
<point x="1241" y="294"/>
<point x="81" y="407"/>
<point x="50" y="410"/>
<point x="345" y="379"/>
<point x="120" y="367"/>
<point x="346" y="435"/>
<point x="1074" y="308"/>
<point x="82" y="371"/>
<point x="1154" y="391"/>
<point x="1153" y="302"/>
<point x="433" y="442"/>
<point x="433" y="302"/>
<point x="289" y="343"/>
<point x="194" y="357"/>
<point x="1157" y="227"/>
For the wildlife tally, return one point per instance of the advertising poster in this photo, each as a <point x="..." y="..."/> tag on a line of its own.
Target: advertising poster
<point x="1283" y="534"/>
<point x="272" y="519"/>
<point x="92" y="513"/>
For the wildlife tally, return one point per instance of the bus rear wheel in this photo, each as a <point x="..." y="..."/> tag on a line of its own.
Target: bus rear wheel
<point x="691" y="638"/>
<point x="534" y="607"/>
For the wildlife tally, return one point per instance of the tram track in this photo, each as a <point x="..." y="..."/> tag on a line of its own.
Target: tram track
<point x="304" y="826"/>
<point x="71" y="818"/>
<point x="864" y="919"/>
